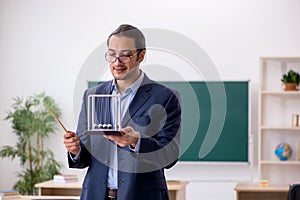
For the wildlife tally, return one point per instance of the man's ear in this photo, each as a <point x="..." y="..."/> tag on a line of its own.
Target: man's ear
<point x="141" y="55"/>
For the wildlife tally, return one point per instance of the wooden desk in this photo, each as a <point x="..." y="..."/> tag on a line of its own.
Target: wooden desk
<point x="250" y="191"/>
<point x="176" y="189"/>
<point x="59" y="189"/>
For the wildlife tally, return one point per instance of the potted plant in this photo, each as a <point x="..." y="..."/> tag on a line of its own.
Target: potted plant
<point x="291" y="80"/>
<point x="32" y="123"/>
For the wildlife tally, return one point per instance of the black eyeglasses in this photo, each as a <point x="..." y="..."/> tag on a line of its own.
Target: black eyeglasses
<point x="122" y="58"/>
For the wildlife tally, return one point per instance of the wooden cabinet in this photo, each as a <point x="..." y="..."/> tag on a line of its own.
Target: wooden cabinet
<point x="276" y="108"/>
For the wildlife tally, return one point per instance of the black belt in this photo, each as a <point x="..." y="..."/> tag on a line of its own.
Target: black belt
<point x="111" y="193"/>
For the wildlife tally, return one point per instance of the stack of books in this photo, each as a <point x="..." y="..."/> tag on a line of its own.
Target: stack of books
<point x="64" y="178"/>
<point x="10" y="194"/>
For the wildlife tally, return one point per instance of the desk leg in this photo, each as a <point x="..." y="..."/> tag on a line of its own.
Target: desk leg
<point x="39" y="191"/>
<point x="237" y="196"/>
<point x="177" y="194"/>
<point x="180" y="194"/>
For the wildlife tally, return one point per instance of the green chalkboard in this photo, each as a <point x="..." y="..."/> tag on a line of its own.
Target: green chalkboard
<point x="215" y="117"/>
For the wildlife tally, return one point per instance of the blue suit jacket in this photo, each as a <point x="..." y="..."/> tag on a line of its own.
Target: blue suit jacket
<point x="155" y="112"/>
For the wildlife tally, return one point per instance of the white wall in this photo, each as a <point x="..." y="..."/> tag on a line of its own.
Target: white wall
<point x="44" y="43"/>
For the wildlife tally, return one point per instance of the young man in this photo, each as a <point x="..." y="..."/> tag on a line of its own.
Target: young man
<point x="131" y="166"/>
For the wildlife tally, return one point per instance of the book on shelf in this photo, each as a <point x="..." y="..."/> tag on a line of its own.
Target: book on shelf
<point x="10" y="194"/>
<point x="63" y="178"/>
<point x="11" y="197"/>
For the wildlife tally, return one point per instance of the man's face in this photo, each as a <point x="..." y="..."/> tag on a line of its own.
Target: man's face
<point x="124" y="47"/>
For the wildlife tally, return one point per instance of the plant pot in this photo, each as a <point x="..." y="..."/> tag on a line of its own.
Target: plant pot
<point x="290" y="87"/>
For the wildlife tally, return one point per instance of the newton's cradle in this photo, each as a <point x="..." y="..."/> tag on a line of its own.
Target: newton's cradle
<point x="104" y="114"/>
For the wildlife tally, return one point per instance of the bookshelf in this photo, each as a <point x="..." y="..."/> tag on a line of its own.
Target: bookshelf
<point x="276" y="108"/>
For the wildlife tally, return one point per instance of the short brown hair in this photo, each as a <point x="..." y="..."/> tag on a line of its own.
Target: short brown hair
<point x="131" y="32"/>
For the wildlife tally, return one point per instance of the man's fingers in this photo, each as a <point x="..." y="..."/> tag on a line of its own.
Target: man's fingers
<point x="127" y="130"/>
<point x="69" y="134"/>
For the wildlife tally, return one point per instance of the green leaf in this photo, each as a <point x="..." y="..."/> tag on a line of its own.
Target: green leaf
<point x="291" y="77"/>
<point x="32" y="123"/>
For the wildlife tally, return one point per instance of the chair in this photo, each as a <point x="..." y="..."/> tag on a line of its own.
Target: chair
<point x="294" y="192"/>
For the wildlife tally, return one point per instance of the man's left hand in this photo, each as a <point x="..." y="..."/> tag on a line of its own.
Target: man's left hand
<point x="129" y="137"/>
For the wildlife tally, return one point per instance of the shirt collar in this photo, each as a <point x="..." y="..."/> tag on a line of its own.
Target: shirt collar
<point x="133" y="87"/>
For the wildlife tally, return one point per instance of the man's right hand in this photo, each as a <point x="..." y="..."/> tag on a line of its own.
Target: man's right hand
<point x="72" y="142"/>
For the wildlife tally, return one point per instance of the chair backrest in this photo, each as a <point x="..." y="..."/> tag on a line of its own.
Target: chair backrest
<point x="294" y="192"/>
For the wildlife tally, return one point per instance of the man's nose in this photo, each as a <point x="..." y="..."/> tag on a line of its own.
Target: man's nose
<point x="118" y="61"/>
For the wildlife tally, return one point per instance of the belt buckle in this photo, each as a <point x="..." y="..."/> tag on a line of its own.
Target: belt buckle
<point x="112" y="192"/>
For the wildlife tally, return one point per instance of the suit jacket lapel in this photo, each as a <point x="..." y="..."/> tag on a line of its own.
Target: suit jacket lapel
<point x="104" y="88"/>
<point x="142" y="95"/>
